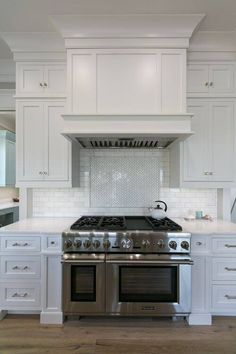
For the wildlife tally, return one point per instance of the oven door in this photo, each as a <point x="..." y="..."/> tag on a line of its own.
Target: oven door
<point x="148" y="284"/>
<point x="83" y="283"/>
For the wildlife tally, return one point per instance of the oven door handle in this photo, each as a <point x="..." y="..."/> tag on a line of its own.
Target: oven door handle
<point x="143" y="262"/>
<point x="87" y="261"/>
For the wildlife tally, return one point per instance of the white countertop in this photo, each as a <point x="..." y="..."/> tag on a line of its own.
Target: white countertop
<point x="7" y="205"/>
<point x="58" y="225"/>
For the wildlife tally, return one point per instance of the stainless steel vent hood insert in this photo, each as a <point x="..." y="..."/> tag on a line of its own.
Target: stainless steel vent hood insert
<point x="126" y="131"/>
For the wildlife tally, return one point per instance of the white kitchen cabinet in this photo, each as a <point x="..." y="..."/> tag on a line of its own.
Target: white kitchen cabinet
<point x="43" y="153"/>
<point x="40" y="79"/>
<point x="206" y="159"/>
<point x="126" y="81"/>
<point x="209" y="80"/>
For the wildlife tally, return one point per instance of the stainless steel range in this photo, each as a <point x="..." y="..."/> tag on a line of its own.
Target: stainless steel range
<point x="126" y="265"/>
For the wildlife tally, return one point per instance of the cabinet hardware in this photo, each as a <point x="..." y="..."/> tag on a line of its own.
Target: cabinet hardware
<point x="45" y="173"/>
<point x="230" y="269"/>
<point x="210" y="173"/>
<point x="20" y="295"/>
<point x="207" y="83"/>
<point x="20" y="244"/>
<point x="229" y="246"/>
<point x="198" y="243"/>
<point x="41" y="84"/>
<point x="40" y="172"/>
<point x="20" y="268"/>
<point x="229" y="297"/>
<point x="206" y="173"/>
<point x="211" y="84"/>
<point x="45" y="84"/>
<point x="52" y="242"/>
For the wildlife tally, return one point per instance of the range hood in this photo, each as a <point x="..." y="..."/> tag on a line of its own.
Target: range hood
<point x="126" y="131"/>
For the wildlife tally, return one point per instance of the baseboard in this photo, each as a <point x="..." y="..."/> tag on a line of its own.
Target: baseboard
<point x="54" y="318"/>
<point x="199" y="319"/>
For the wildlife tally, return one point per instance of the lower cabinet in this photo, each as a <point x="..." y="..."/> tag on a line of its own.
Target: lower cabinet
<point x="30" y="276"/>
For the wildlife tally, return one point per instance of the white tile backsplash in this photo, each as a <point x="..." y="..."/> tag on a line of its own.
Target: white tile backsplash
<point x="123" y="182"/>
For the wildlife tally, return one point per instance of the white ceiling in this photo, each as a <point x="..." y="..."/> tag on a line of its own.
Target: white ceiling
<point x="33" y="15"/>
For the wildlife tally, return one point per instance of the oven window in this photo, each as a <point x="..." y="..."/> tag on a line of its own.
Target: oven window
<point x="148" y="284"/>
<point x="83" y="283"/>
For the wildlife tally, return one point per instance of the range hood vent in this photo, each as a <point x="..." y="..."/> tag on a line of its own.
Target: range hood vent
<point x="124" y="143"/>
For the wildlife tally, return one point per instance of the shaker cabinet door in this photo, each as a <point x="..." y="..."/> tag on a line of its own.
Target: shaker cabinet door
<point x="197" y="78"/>
<point x="221" y="78"/>
<point x="30" y="79"/>
<point x="196" y="147"/>
<point x="31" y="140"/>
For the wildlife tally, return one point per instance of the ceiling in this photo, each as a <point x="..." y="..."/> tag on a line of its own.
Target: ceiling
<point x="34" y="15"/>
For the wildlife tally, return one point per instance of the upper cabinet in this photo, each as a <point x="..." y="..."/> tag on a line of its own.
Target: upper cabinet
<point x="210" y="80"/>
<point x="126" y="81"/>
<point x="44" y="155"/>
<point x="41" y="80"/>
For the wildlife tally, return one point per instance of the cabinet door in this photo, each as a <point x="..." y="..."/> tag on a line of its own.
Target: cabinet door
<point x="197" y="78"/>
<point x="30" y="79"/>
<point x="222" y="140"/>
<point x="221" y="78"/>
<point x="128" y="83"/>
<point x="55" y="79"/>
<point x="196" y="147"/>
<point x="31" y="140"/>
<point x="57" y="146"/>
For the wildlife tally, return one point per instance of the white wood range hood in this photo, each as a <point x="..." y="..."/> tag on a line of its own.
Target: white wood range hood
<point x="126" y="78"/>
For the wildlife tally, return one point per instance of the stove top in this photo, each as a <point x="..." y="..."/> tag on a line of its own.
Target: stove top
<point x="117" y="223"/>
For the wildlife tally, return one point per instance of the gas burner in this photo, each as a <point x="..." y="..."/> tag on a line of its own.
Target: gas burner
<point x="165" y="224"/>
<point x="113" y="222"/>
<point x="86" y="223"/>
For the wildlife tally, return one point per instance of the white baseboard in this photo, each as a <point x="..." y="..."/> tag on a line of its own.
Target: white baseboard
<point x="51" y="318"/>
<point x="199" y="319"/>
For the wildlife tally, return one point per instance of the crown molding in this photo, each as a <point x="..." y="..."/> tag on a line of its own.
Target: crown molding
<point x="213" y="41"/>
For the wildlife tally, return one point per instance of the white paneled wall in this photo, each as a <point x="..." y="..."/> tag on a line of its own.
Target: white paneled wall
<point x="136" y="178"/>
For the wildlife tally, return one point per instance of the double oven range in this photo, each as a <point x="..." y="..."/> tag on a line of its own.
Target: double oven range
<point x="132" y="265"/>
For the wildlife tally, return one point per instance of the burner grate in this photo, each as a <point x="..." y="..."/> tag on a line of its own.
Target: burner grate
<point x="113" y="222"/>
<point x="86" y="223"/>
<point x="165" y="224"/>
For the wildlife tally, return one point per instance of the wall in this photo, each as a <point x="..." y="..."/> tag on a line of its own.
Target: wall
<point x="122" y="182"/>
<point x="6" y="194"/>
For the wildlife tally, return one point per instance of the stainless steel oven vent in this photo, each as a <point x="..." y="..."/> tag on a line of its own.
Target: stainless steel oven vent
<point x="125" y="142"/>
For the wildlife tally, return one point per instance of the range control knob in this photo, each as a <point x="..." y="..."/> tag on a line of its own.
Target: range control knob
<point x="185" y="245"/>
<point x="77" y="243"/>
<point x="87" y="243"/>
<point x="96" y="243"/>
<point x="126" y="243"/>
<point x="173" y="245"/>
<point x="68" y="243"/>
<point x="106" y="244"/>
<point x="160" y="244"/>
<point x="146" y="244"/>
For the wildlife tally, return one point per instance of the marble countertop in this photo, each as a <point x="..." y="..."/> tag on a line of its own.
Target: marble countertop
<point x="7" y="205"/>
<point x="58" y="225"/>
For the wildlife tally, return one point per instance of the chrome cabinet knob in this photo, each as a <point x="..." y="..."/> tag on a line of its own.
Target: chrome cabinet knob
<point x="173" y="245"/>
<point x="146" y="244"/>
<point x="68" y="243"/>
<point x="96" y="243"/>
<point x="87" y="243"/>
<point x="185" y="245"/>
<point x="77" y="243"/>
<point x="106" y="244"/>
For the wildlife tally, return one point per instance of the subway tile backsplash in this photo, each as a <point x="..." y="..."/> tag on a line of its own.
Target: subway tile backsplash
<point x="122" y="182"/>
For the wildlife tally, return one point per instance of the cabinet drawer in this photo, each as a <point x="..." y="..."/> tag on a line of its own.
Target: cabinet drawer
<point x="51" y="243"/>
<point x="224" y="298"/>
<point x="20" y="295"/>
<point x="20" y="244"/>
<point x="224" y="269"/>
<point x="226" y="245"/>
<point x="199" y="244"/>
<point x="20" y="267"/>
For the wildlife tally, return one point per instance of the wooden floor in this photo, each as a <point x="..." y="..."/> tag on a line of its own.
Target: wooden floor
<point x="24" y="335"/>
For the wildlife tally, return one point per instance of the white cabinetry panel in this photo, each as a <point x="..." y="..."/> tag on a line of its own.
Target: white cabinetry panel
<point x="55" y="79"/>
<point x="20" y="267"/>
<point x="197" y="78"/>
<point x="30" y="79"/>
<point x="20" y="296"/>
<point x="221" y="78"/>
<point x="127" y="84"/>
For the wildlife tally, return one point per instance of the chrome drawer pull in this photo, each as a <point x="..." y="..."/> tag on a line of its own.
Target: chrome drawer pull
<point x="230" y="269"/>
<point x="20" y="295"/>
<point x="20" y="268"/>
<point x="198" y="243"/>
<point x="229" y="246"/>
<point x="230" y="297"/>
<point x="21" y="244"/>
<point x="52" y="242"/>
